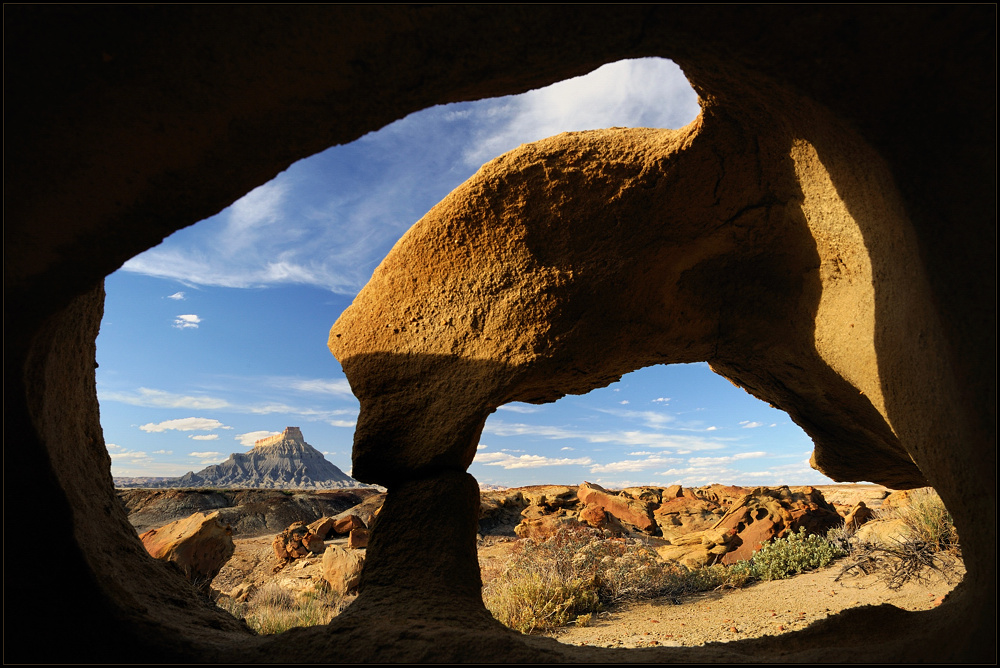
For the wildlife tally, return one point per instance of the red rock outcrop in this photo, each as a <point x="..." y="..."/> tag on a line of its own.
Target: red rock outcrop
<point x="765" y="514"/>
<point x="199" y="546"/>
<point x="296" y="542"/>
<point x="636" y="513"/>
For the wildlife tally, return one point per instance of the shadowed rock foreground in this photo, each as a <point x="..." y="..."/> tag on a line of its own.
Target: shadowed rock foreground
<point x="823" y="235"/>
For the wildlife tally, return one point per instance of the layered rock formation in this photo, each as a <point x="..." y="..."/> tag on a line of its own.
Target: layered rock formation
<point x="693" y="526"/>
<point x="874" y="131"/>
<point x="283" y="461"/>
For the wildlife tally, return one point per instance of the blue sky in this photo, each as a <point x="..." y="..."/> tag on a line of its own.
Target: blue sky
<point x="217" y="336"/>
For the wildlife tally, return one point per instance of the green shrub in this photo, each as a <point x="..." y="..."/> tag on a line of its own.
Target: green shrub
<point x="784" y="557"/>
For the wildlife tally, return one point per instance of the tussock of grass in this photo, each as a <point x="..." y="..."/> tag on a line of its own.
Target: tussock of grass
<point x="272" y="609"/>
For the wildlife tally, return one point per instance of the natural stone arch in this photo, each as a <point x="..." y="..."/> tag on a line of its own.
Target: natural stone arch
<point x="129" y="123"/>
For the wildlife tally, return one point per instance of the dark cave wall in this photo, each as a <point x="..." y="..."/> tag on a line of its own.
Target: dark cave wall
<point x="123" y="125"/>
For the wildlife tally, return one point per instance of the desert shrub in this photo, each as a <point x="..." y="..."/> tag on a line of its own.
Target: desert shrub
<point x="784" y="557"/>
<point x="567" y="577"/>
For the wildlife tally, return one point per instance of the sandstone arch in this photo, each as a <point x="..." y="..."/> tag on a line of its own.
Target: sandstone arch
<point x="125" y="124"/>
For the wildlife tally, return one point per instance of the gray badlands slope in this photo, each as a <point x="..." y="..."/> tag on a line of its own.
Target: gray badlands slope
<point x="284" y="461"/>
<point x="249" y="512"/>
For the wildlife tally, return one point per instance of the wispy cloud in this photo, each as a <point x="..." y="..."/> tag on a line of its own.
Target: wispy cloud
<point x="508" y="461"/>
<point x="338" y="387"/>
<point x="203" y="437"/>
<point x="149" y="398"/>
<point x="189" y="321"/>
<point x="349" y="424"/>
<point x="179" y="296"/>
<point x="677" y="443"/>
<point x="747" y="424"/>
<point x="651" y="419"/>
<point x="184" y="424"/>
<point x="519" y="408"/>
<point x="632" y="465"/>
<point x="206" y="455"/>
<point x="647" y="92"/>
<point x="248" y="438"/>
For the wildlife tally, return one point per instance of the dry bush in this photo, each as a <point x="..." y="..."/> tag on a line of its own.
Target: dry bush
<point x="929" y="545"/>
<point x="565" y="578"/>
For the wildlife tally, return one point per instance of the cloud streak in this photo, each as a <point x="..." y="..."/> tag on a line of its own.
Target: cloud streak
<point x="184" y="424"/>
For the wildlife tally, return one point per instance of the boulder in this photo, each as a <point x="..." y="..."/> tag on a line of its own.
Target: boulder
<point x="321" y="528"/>
<point x="342" y="568"/>
<point x="546" y="525"/>
<point x="549" y="496"/>
<point x="199" y="546"/>
<point x="347" y="523"/>
<point x="358" y="538"/>
<point x="630" y="511"/>
<point x="598" y="518"/>
<point x="858" y="515"/>
<point x="683" y="514"/>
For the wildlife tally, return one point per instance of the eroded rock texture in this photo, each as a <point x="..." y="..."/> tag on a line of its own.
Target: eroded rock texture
<point x="839" y="189"/>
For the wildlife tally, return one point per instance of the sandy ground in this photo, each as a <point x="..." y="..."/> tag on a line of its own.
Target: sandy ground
<point x="764" y="608"/>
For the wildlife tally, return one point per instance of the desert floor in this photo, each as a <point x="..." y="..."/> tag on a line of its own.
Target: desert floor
<point x="764" y="608"/>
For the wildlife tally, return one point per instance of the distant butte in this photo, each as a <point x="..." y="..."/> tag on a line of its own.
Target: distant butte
<point x="282" y="461"/>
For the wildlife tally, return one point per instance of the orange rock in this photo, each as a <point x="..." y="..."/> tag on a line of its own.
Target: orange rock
<point x="358" y="538"/>
<point x="628" y="510"/>
<point x="198" y="545"/>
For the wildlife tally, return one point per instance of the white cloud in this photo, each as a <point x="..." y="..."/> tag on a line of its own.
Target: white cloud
<point x="704" y="461"/>
<point x="319" y="386"/>
<point x="680" y="444"/>
<point x="624" y="402"/>
<point x="248" y="438"/>
<point x="633" y="465"/>
<point x="120" y="455"/>
<point x="712" y="429"/>
<point x="184" y="424"/>
<point x="159" y="399"/>
<point x="349" y="424"/>
<point x="751" y="425"/>
<point x="566" y="447"/>
<point x="189" y="321"/>
<point x="661" y="400"/>
<point x="179" y="296"/>
<point x="203" y="437"/>
<point x="651" y="419"/>
<point x="519" y="408"/>
<point x="206" y="455"/>
<point x="508" y="461"/>
<point x="163" y="452"/>
<point x="647" y="92"/>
